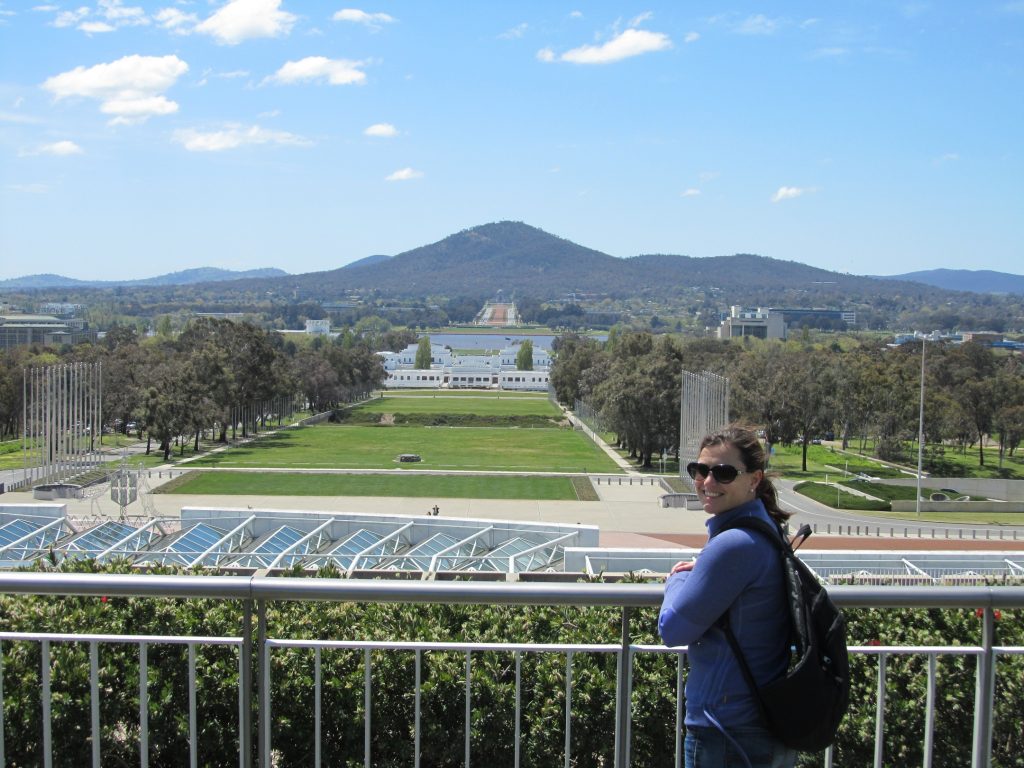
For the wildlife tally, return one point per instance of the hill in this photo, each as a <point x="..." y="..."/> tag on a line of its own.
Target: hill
<point x="523" y="260"/>
<point x="974" y="280"/>
<point x="529" y="264"/>
<point x="184" y="277"/>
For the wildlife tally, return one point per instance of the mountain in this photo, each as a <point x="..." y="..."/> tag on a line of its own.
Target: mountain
<point x="527" y="263"/>
<point x="184" y="277"/>
<point x="366" y="261"/>
<point x="522" y="260"/>
<point x="974" y="280"/>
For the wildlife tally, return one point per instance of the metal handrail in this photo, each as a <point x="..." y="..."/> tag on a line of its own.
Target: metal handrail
<point x="257" y="591"/>
<point x="258" y="587"/>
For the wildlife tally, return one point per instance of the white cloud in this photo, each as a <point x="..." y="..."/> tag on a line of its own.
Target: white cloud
<point x="46" y="8"/>
<point x="691" y="192"/>
<point x="638" y="20"/>
<point x="788" y="193"/>
<point x="385" y="130"/>
<point x="241" y="20"/>
<point x="949" y="157"/>
<point x="59" y="149"/>
<point x="128" y="111"/>
<point x="233" y="137"/>
<point x="757" y="25"/>
<point x="95" y="27"/>
<point x="109" y="16"/>
<point x="32" y="189"/>
<point x="71" y="18"/>
<point x="362" y="17"/>
<point x="515" y="33"/>
<point x="576" y="15"/>
<point x="631" y="42"/>
<point x="691" y="37"/>
<point x="334" y="71"/>
<point x="114" y="10"/>
<point x="405" y="174"/>
<point x="176" y="21"/>
<point x="13" y="117"/>
<point x="130" y="88"/>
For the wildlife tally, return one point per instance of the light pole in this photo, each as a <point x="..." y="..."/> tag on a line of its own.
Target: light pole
<point x="920" y="430"/>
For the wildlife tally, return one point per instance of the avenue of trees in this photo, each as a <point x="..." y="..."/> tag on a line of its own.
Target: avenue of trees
<point x="864" y="393"/>
<point x="176" y="387"/>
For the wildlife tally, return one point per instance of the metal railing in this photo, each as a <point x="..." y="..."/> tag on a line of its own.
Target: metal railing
<point x="257" y="592"/>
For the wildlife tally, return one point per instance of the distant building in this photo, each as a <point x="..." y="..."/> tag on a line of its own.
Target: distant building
<point x="981" y="337"/>
<point x="59" y="308"/>
<point x="318" y="327"/>
<point x="759" y="323"/>
<point x="794" y="315"/>
<point x="451" y="371"/>
<point x="22" y="329"/>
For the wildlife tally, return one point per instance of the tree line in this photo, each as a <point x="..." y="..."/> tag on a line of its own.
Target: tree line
<point x="205" y="377"/>
<point x="796" y="391"/>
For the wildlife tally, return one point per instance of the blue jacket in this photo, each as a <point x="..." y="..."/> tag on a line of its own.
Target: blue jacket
<point x="740" y="572"/>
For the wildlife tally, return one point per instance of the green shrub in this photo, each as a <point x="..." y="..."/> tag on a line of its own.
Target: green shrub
<point x="443" y="684"/>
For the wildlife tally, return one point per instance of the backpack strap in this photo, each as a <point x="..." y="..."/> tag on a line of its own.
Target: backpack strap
<point x="774" y="534"/>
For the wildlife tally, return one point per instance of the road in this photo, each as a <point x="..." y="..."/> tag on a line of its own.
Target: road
<point x="807" y="510"/>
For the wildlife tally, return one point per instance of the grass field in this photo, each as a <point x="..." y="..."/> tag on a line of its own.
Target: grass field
<point x="480" y="406"/>
<point x="392" y="484"/>
<point x="441" y="448"/>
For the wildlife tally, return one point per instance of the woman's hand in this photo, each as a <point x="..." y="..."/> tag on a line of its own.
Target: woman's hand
<point x="682" y="565"/>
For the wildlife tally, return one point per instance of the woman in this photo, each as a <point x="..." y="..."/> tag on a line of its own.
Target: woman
<point x="738" y="575"/>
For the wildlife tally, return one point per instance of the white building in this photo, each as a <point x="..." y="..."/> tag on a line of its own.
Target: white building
<point x="466" y="371"/>
<point x="319" y="327"/>
<point x="759" y="323"/>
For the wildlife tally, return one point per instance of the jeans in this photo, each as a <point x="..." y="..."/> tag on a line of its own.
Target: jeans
<point x="710" y="748"/>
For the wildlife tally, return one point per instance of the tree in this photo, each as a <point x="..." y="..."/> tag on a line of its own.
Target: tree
<point x="524" y="358"/>
<point x="574" y="355"/>
<point x="423" y="354"/>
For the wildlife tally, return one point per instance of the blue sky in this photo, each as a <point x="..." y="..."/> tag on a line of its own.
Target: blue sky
<point x="870" y="137"/>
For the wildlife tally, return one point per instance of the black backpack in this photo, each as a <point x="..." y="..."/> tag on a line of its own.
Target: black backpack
<point x="804" y="707"/>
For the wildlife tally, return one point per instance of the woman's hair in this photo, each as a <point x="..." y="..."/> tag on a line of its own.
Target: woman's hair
<point x="744" y="439"/>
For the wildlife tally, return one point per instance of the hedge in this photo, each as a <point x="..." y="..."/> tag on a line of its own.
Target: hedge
<point x="443" y="684"/>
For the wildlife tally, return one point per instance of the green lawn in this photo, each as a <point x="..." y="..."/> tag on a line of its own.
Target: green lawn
<point x="441" y="448"/>
<point x="480" y="406"/>
<point x="404" y="484"/>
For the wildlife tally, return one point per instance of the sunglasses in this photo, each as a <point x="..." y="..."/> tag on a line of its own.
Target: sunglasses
<point x="723" y="473"/>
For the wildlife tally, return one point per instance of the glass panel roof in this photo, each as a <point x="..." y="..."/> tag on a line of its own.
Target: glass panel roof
<point x="379" y="552"/>
<point x="15" y="530"/>
<point x="95" y="540"/>
<point x="264" y="551"/>
<point x="418" y="558"/>
<point x="342" y="553"/>
<point x="186" y="545"/>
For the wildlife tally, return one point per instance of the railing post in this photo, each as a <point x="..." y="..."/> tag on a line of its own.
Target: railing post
<point x="263" y="683"/>
<point x="880" y="713"/>
<point x="981" y="753"/>
<point x="245" y="694"/>
<point x="622" y="695"/>
<point x="2" y="759"/>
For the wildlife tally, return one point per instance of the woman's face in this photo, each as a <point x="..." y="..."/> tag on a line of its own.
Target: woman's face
<point x="721" y="497"/>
